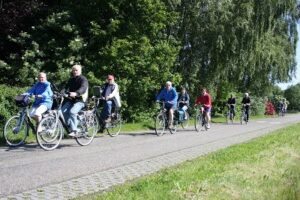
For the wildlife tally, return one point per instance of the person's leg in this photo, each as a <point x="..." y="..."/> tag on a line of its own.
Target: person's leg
<point x="171" y="117"/>
<point x="184" y="108"/>
<point x="247" y="113"/>
<point x="32" y="113"/>
<point x="66" y="107"/>
<point x="106" y="111"/>
<point x="39" y="111"/>
<point x="73" y="115"/>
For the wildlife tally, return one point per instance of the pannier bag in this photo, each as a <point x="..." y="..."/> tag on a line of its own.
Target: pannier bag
<point x="22" y="100"/>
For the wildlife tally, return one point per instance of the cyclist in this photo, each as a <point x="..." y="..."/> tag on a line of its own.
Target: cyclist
<point x="77" y="89"/>
<point x="169" y="95"/>
<point x="205" y="100"/>
<point x="183" y="101"/>
<point x="283" y="106"/>
<point x="246" y="105"/>
<point x="231" y="104"/>
<point x="43" y="97"/>
<point x="112" y="96"/>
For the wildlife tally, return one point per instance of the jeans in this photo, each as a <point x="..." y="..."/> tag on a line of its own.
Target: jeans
<point x="106" y="112"/>
<point x="70" y="110"/>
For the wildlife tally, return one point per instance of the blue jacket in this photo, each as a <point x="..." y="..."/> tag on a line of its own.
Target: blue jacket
<point x="43" y="89"/>
<point x="169" y="96"/>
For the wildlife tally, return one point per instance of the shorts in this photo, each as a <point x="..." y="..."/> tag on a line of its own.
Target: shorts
<point x="170" y="106"/>
<point x="207" y="109"/>
<point x="38" y="111"/>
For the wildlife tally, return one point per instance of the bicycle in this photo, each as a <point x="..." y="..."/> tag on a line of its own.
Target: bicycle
<point x="230" y="113"/>
<point x="244" y="114"/>
<point x="281" y="111"/>
<point x="113" y="127"/>
<point x="200" y="119"/>
<point x="162" y="121"/>
<point x="16" y="128"/>
<point x="52" y="127"/>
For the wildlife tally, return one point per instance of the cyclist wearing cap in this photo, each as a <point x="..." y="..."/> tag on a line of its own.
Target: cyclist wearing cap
<point x="205" y="100"/>
<point x="112" y="97"/>
<point x="77" y="89"/>
<point x="246" y="104"/>
<point x="169" y="95"/>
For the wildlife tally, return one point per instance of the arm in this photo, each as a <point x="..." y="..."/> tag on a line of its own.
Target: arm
<point x="115" y="92"/>
<point x="47" y="93"/>
<point x="31" y="90"/>
<point x="175" y="97"/>
<point x="83" y="87"/>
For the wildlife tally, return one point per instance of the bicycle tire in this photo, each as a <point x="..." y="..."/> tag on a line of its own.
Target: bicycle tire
<point x="160" y="124"/>
<point x="50" y="136"/>
<point x="114" y="127"/>
<point x="185" y="122"/>
<point x="174" y="128"/>
<point x="198" y="122"/>
<point x="88" y="131"/>
<point x="14" y="137"/>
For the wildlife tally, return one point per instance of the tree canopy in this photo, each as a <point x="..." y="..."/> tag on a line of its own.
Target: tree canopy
<point x="227" y="45"/>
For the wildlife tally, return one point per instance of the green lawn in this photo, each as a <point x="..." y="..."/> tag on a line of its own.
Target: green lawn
<point x="264" y="168"/>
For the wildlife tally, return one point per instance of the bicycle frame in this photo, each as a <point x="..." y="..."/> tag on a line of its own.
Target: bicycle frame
<point x="24" y="116"/>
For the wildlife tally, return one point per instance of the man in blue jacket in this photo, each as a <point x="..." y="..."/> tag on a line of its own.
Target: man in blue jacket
<point x="169" y="95"/>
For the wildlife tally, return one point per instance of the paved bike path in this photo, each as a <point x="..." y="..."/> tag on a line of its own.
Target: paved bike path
<point x="71" y="170"/>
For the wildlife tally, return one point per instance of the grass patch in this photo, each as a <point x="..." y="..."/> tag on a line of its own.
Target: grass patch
<point x="264" y="168"/>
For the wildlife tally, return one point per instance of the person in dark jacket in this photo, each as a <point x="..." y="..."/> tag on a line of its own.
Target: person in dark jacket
<point x="77" y="89"/>
<point x="183" y="101"/>
<point x="246" y="104"/>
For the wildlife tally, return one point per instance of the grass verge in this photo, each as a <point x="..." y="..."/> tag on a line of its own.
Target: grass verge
<point x="264" y="168"/>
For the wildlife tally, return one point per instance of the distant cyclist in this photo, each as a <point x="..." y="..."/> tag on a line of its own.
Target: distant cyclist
<point x="183" y="101"/>
<point x="205" y="100"/>
<point x="246" y="105"/>
<point x="169" y="95"/>
<point x="231" y="104"/>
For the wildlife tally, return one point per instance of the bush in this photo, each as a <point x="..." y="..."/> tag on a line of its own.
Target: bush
<point x="7" y="102"/>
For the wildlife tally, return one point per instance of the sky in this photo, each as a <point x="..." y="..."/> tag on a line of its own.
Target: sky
<point x="297" y="78"/>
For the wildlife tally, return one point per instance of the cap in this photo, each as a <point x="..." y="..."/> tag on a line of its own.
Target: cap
<point x="110" y="77"/>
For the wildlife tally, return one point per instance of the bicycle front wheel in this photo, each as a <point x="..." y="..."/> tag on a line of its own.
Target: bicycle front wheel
<point x="89" y="130"/>
<point x="50" y="133"/>
<point x="160" y="124"/>
<point x="198" y="122"/>
<point x="15" y="132"/>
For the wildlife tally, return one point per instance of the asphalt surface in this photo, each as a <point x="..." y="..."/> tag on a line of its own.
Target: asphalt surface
<point x="29" y="167"/>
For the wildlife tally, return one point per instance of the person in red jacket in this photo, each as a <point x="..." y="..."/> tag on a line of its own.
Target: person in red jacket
<point x="205" y="100"/>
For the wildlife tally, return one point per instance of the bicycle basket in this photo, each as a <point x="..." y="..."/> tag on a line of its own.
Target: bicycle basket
<point x="22" y="100"/>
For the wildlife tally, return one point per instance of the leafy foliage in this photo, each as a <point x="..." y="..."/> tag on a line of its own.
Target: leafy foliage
<point x="226" y="46"/>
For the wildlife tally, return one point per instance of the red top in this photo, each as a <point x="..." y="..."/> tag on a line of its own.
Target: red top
<point x="205" y="100"/>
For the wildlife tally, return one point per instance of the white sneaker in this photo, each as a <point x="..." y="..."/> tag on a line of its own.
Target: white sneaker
<point x="208" y="125"/>
<point x="72" y="134"/>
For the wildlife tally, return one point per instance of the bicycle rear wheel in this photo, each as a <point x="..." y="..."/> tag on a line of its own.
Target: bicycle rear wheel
<point x="88" y="131"/>
<point x="15" y="133"/>
<point x="185" y="122"/>
<point x="51" y="133"/>
<point x="160" y="124"/>
<point x="114" y="127"/>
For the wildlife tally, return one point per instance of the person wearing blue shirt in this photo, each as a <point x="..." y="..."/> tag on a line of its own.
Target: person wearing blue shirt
<point x="169" y="95"/>
<point x="43" y="97"/>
